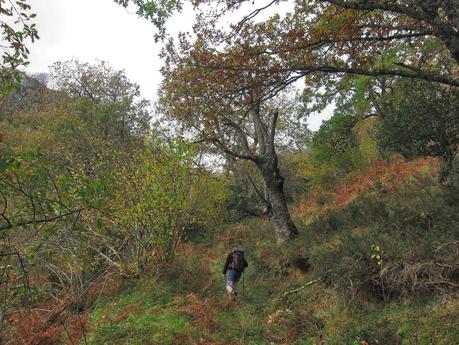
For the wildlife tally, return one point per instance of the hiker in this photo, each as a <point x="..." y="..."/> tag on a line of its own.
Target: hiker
<point x="234" y="267"/>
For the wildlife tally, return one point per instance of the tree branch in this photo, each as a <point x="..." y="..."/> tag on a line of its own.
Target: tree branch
<point x="45" y="220"/>
<point x="260" y="129"/>
<point x="240" y="133"/>
<point x="272" y="131"/>
<point x="302" y="287"/>
<point x="227" y="150"/>
<point x="372" y="6"/>
<point x="251" y="181"/>
<point x="409" y="73"/>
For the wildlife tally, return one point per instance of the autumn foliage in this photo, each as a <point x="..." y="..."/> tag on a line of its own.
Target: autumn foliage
<point x="388" y="175"/>
<point x="57" y="326"/>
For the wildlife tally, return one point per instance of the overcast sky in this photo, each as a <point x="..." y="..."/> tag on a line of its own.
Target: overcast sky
<point x="96" y="29"/>
<point x="100" y="29"/>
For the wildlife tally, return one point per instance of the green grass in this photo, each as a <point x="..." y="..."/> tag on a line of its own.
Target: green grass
<point x="241" y="324"/>
<point x="142" y="314"/>
<point x="148" y="313"/>
<point x="146" y="328"/>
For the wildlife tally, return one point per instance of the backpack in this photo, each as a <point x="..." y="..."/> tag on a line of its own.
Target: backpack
<point x="237" y="261"/>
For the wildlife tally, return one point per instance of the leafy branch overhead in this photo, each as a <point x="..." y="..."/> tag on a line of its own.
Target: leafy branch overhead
<point x="157" y="11"/>
<point x="325" y="38"/>
<point x="16" y="29"/>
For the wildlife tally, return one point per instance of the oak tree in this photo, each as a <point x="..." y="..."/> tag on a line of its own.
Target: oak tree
<point x="218" y="80"/>
<point x="417" y="39"/>
<point x="227" y="109"/>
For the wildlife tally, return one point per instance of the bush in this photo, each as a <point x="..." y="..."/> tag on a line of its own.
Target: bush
<point x="421" y="119"/>
<point x="403" y="246"/>
<point x="342" y="145"/>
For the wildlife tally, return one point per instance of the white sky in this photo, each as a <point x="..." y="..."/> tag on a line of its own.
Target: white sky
<point x="100" y="29"/>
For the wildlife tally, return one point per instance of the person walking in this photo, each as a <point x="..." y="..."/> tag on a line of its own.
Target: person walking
<point x="233" y="270"/>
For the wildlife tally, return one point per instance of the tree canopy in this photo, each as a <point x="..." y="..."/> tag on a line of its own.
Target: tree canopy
<point x="421" y="119"/>
<point x="333" y="37"/>
<point x="221" y="81"/>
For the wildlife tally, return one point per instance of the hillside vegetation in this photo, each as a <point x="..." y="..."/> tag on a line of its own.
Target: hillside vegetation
<point x="394" y="209"/>
<point x="116" y="214"/>
<point x="130" y="234"/>
<point x="403" y="300"/>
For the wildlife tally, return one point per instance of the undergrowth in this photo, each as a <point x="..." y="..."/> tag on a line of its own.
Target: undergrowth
<point x="142" y="314"/>
<point x="387" y="256"/>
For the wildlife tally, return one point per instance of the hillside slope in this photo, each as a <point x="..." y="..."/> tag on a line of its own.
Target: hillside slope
<point x="383" y="242"/>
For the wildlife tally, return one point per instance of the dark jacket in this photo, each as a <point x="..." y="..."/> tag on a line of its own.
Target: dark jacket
<point x="229" y="259"/>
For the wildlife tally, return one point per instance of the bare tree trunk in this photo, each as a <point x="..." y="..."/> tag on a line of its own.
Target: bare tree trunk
<point x="449" y="170"/>
<point x="268" y="211"/>
<point x="453" y="178"/>
<point x="263" y="153"/>
<point x="282" y="223"/>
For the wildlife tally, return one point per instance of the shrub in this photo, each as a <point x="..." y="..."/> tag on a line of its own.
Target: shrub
<point x="421" y="119"/>
<point x="402" y="246"/>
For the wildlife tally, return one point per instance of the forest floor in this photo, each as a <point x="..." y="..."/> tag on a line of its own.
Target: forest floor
<point x="187" y="303"/>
